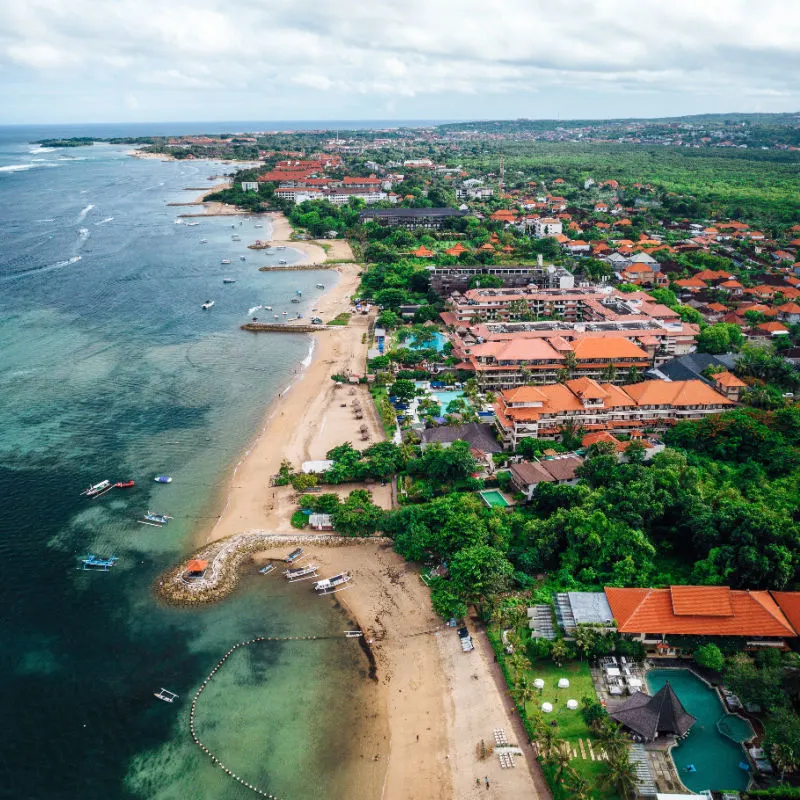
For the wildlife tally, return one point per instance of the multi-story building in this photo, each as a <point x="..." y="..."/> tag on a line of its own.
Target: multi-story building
<point x="410" y="217"/>
<point x="446" y="280"/>
<point x="506" y="364"/>
<point x="547" y="226"/>
<point x="542" y="411"/>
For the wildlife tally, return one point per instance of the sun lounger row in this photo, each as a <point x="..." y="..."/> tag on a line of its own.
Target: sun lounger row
<point x="506" y="760"/>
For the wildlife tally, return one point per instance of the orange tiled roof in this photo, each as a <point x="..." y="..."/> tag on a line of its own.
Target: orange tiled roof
<point x="675" y="393"/>
<point x="606" y="348"/>
<point x="422" y="252"/>
<point x="698" y="610"/>
<point x="728" y="379"/>
<point x="789" y="603"/>
<point x="587" y="389"/>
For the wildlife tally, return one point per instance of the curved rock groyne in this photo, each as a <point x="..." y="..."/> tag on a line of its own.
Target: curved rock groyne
<point x="225" y="556"/>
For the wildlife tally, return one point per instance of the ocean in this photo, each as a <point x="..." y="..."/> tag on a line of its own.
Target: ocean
<point x="110" y="369"/>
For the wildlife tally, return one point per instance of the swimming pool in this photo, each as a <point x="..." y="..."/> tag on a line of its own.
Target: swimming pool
<point x="437" y="343"/>
<point x="494" y="499"/>
<point x="444" y="398"/>
<point x="714" y="755"/>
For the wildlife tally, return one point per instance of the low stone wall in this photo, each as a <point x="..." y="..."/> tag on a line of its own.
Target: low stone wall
<point x="225" y="556"/>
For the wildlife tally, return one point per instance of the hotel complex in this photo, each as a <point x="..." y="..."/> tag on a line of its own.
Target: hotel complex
<point x="542" y="411"/>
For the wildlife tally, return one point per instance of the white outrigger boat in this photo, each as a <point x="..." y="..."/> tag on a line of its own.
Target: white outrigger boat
<point x="156" y="520"/>
<point x="334" y="584"/>
<point x="97" y="489"/>
<point x="166" y="695"/>
<point x="301" y="573"/>
<point x="266" y="569"/>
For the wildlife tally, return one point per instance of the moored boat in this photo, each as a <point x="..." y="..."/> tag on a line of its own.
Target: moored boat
<point x="229" y="280"/>
<point x="163" y="479"/>
<point x="266" y="569"/>
<point x="283" y="261"/>
<point x="208" y="304"/>
<point x="298" y="573"/>
<point x="225" y="261"/>
<point x="329" y="585"/>
<point x="96" y="488"/>
<point x="158" y="519"/>
<point x="166" y="695"/>
<point x="204" y="241"/>
<point x="294" y="555"/>
<point x="320" y="285"/>
<point x="124" y="485"/>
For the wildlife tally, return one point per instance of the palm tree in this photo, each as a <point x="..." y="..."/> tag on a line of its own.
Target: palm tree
<point x="558" y="652"/>
<point x="584" y="639"/>
<point x="571" y="362"/>
<point x="612" y="739"/>
<point x="621" y="774"/>
<point x="545" y="738"/>
<point x="559" y="757"/>
<point x="579" y="787"/>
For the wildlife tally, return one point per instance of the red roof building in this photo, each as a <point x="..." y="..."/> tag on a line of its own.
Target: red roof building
<point x="698" y="611"/>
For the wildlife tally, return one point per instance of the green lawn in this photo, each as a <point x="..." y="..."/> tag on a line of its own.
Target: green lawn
<point x="571" y="726"/>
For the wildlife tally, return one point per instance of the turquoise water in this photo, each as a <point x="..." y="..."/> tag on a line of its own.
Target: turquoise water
<point x="436" y="343"/>
<point x="493" y="499"/>
<point x="444" y="398"/>
<point x="110" y="369"/>
<point x="715" y="757"/>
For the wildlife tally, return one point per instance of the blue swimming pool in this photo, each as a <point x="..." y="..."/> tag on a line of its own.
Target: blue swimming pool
<point x="438" y="342"/>
<point x="715" y="758"/>
<point x="444" y="398"/>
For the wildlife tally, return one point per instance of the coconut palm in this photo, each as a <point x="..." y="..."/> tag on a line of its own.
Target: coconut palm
<point x="559" y="757"/>
<point x="612" y="739"/>
<point x="621" y="774"/>
<point x="558" y="652"/>
<point x="579" y="787"/>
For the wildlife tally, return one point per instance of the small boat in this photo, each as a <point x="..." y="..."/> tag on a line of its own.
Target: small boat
<point x="163" y="479"/>
<point x="301" y="573"/>
<point x="225" y="261"/>
<point x="208" y="304"/>
<point x="267" y="308"/>
<point x="236" y="238"/>
<point x="98" y="563"/>
<point x="179" y="222"/>
<point x="265" y="570"/>
<point x="229" y="280"/>
<point x="96" y="488"/>
<point x="242" y="258"/>
<point x="329" y="585"/>
<point x="280" y="247"/>
<point x="191" y="224"/>
<point x="294" y="555"/>
<point x="166" y="695"/>
<point x="295" y="300"/>
<point x="204" y="241"/>
<point x="258" y="225"/>
<point x="156" y="519"/>
<point x="284" y="313"/>
<point x="124" y="485"/>
<point x="320" y="285"/>
<point x="283" y="261"/>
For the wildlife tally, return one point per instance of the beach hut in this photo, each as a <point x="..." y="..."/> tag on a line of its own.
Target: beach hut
<point x="539" y="683"/>
<point x="572" y="705"/>
<point x="563" y="683"/>
<point x="321" y="522"/>
<point x="547" y="708"/>
<point x="196" y="568"/>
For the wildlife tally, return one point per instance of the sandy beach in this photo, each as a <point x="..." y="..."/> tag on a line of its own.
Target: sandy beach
<point x="436" y="702"/>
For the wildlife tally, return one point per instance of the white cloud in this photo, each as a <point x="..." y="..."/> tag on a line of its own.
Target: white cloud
<point x="338" y="55"/>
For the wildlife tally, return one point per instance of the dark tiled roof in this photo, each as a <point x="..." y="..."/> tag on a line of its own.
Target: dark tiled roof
<point x="478" y="435"/>
<point x="690" y="367"/>
<point x="528" y="473"/>
<point x="411" y="212"/>
<point x="651" y="716"/>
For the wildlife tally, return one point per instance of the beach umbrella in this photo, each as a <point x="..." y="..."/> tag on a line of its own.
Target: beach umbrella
<point x="539" y="683"/>
<point x="563" y="683"/>
<point x="547" y="707"/>
<point x="572" y="704"/>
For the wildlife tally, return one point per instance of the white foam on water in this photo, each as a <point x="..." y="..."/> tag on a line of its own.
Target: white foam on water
<point x="85" y="211"/>
<point x="253" y="309"/>
<point x="83" y="233"/>
<point x="103" y="221"/>
<point x="16" y="167"/>
<point x="307" y="360"/>
<point x="48" y="219"/>
<point x="42" y="150"/>
<point x="58" y="265"/>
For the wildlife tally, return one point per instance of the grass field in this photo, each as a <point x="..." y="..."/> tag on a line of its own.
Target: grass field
<point x="571" y="725"/>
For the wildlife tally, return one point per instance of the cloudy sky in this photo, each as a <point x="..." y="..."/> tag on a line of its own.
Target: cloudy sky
<point x="149" y="60"/>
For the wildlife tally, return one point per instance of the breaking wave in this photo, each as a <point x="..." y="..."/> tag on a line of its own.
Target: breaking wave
<point x="50" y="267"/>
<point x="85" y="211"/>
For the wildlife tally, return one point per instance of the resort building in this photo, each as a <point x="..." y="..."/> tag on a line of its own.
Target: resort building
<point x="446" y="280"/>
<point x="527" y="475"/>
<point x="519" y="362"/>
<point x="542" y="411"/>
<point x="410" y="217"/>
<point x="653" y="615"/>
<point x="650" y="717"/>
